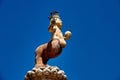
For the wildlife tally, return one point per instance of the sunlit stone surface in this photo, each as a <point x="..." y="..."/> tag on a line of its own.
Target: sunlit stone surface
<point x="46" y="73"/>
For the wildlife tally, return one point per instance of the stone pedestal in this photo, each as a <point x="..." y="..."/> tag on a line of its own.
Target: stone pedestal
<point x="46" y="73"/>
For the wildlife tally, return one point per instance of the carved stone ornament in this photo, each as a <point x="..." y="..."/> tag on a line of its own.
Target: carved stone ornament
<point x="46" y="73"/>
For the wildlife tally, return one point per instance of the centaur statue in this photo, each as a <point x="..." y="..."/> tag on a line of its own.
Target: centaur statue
<point x="57" y="42"/>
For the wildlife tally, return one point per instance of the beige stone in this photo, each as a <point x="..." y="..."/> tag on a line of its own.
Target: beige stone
<point x="46" y="73"/>
<point x="49" y="50"/>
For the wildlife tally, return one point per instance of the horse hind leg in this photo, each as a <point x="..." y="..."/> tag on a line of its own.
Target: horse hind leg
<point x="38" y="56"/>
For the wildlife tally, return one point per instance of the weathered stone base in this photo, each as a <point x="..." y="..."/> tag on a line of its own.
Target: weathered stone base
<point x="45" y="73"/>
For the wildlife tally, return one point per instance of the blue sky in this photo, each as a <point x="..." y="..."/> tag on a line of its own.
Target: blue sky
<point x="93" y="52"/>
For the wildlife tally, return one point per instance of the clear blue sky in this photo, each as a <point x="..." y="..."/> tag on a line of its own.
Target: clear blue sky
<point x="93" y="52"/>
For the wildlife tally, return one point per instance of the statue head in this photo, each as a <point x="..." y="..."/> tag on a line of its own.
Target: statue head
<point x="55" y="19"/>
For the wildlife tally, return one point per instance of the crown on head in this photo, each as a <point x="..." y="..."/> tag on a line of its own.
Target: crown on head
<point x="54" y="14"/>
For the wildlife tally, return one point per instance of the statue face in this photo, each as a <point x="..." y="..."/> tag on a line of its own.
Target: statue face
<point x="58" y="22"/>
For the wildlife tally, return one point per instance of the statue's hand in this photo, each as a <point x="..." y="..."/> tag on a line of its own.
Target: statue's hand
<point x="68" y="34"/>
